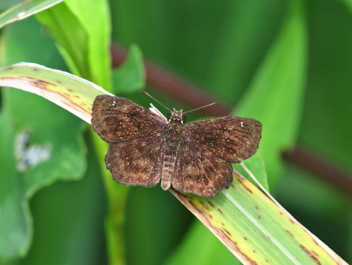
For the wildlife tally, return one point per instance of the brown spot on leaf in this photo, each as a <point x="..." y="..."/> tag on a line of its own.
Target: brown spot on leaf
<point x="69" y="89"/>
<point x="204" y="205"/>
<point x="257" y="207"/>
<point x="232" y="186"/>
<point x="245" y="238"/>
<point x="248" y="189"/>
<point x="219" y="211"/>
<point x="315" y="254"/>
<point x="310" y="254"/>
<point x="289" y="232"/>
<point x="315" y="242"/>
<point x="244" y="186"/>
<point x="227" y="232"/>
<point x="39" y="83"/>
<point x="259" y="217"/>
<point x="244" y="256"/>
<point x="212" y="205"/>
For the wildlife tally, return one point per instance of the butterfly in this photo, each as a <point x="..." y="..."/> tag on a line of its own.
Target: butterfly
<point x="145" y="148"/>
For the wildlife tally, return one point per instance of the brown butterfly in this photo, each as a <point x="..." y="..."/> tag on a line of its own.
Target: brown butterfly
<point x="146" y="148"/>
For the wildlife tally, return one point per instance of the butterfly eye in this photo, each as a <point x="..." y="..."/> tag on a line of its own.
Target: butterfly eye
<point x="183" y="118"/>
<point x="168" y="116"/>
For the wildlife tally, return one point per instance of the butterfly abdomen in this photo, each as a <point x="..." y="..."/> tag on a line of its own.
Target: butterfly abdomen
<point x="167" y="171"/>
<point x="172" y="143"/>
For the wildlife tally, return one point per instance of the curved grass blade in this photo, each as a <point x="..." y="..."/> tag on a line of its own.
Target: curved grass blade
<point x="250" y="225"/>
<point x="25" y="9"/>
<point x="277" y="91"/>
<point x="255" y="230"/>
<point x="66" y="90"/>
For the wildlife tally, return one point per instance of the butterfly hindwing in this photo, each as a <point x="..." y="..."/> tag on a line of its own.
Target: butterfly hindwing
<point x="231" y="138"/>
<point x="199" y="171"/>
<point x="118" y="119"/>
<point x="137" y="161"/>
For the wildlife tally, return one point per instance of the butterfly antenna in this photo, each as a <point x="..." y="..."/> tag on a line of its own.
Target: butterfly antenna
<point x="211" y="104"/>
<point x="142" y="91"/>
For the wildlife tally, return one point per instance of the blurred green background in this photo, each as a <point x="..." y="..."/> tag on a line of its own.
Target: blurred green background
<point x="219" y="46"/>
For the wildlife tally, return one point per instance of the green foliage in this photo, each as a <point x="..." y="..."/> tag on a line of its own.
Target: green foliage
<point x="82" y="40"/>
<point x="25" y="112"/>
<point x="249" y="53"/>
<point x="22" y="9"/>
<point x="130" y="77"/>
<point x="276" y="93"/>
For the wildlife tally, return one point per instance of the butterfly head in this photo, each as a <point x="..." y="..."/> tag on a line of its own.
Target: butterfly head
<point x="176" y="116"/>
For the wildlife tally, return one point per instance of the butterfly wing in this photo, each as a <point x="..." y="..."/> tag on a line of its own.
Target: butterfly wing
<point x="199" y="171"/>
<point x="117" y="119"/>
<point x="137" y="161"/>
<point x="231" y="138"/>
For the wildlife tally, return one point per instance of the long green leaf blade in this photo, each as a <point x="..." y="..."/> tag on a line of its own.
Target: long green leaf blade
<point x="75" y="93"/>
<point x="276" y="94"/>
<point x="255" y="229"/>
<point x="242" y="217"/>
<point x="25" y="9"/>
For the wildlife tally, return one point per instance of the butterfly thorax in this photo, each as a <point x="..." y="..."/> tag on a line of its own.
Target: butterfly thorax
<point x="173" y="135"/>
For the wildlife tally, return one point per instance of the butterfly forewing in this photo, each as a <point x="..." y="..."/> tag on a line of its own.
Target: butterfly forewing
<point x="231" y="138"/>
<point x="118" y="119"/>
<point x="137" y="161"/>
<point x="199" y="171"/>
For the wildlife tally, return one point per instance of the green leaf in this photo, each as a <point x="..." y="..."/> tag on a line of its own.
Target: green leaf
<point x="25" y="9"/>
<point x="15" y="222"/>
<point x="241" y="44"/>
<point x="38" y="47"/>
<point x="242" y="217"/>
<point x="98" y="33"/>
<point x="76" y="95"/>
<point x="61" y="134"/>
<point x="130" y="76"/>
<point x="70" y="36"/>
<point x="276" y="94"/>
<point x="211" y="251"/>
<point x="348" y="3"/>
<point x="47" y="125"/>
<point x="254" y="228"/>
<point x="68" y="219"/>
<point x="83" y="41"/>
<point x="256" y="165"/>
